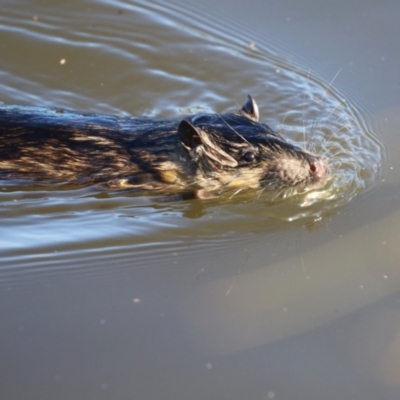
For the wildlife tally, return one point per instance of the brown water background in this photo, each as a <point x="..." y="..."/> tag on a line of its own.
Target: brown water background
<point x="116" y="296"/>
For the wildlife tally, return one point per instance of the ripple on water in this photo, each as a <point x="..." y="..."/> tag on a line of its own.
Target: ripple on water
<point x="128" y="62"/>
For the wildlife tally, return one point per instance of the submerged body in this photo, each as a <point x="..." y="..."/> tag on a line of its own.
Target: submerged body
<point x="207" y="152"/>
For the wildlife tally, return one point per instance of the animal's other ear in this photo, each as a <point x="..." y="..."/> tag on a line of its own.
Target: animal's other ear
<point x="189" y="135"/>
<point x="250" y="109"/>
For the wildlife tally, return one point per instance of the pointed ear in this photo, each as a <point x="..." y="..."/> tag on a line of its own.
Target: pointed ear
<point x="189" y="135"/>
<point x="250" y="109"/>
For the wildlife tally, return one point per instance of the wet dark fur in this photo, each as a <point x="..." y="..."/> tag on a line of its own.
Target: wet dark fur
<point x="207" y="152"/>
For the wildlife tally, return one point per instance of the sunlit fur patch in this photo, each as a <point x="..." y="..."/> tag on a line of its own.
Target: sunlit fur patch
<point x="244" y="177"/>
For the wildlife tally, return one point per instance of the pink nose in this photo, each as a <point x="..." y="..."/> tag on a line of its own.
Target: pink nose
<point x="319" y="168"/>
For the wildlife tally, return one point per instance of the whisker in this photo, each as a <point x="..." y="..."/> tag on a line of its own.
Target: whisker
<point x="331" y="83"/>
<point x="260" y="192"/>
<point x="317" y="122"/>
<point x="234" y="194"/>
<point x="322" y="121"/>
<point x="304" y="100"/>
<point x="349" y="154"/>
<point x="336" y="132"/>
<point x="329" y="148"/>
<point x="333" y="156"/>
<point x="234" y="130"/>
<point x="286" y="115"/>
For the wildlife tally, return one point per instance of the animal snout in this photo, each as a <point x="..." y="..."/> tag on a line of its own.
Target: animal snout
<point x="319" y="168"/>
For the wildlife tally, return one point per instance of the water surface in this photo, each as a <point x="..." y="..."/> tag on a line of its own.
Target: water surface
<point x="115" y="295"/>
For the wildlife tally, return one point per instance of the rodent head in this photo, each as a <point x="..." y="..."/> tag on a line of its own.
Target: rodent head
<point x="237" y="151"/>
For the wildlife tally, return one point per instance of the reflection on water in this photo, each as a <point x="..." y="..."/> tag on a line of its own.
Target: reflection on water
<point x="114" y="295"/>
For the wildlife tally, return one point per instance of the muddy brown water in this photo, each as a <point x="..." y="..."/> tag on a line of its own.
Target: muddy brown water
<point x="119" y="296"/>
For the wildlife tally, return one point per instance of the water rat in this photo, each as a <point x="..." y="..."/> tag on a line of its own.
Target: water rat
<point x="201" y="153"/>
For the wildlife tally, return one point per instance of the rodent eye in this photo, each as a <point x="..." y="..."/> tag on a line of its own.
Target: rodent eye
<point x="249" y="156"/>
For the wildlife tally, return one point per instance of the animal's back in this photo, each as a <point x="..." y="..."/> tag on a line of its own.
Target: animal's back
<point x="54" y="145"/>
